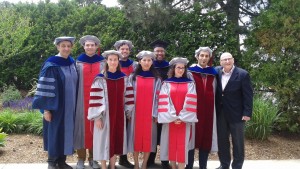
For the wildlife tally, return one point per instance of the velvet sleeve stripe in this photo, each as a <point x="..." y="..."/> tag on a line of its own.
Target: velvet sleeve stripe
<point x="46" y="79"/>
<point x="192" y="96"/>
<point x="46" y="94"/>
<point x="162" y="96"/>
<point x="96" y="97"/>
<point x="129" y="96"/>
<point x="162" y="110"/>
<point x="162" y="103"/>
<point x="129" y="102"/>
<point x="43" y="86"/>
<point x="191" y="103"/>
<point x="193" y="110"/>
<point x="96" y="89"/>
<point x="129" y="88"/>
<point x="95" y="104"/>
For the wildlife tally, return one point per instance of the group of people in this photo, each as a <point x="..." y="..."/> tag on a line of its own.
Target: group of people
<point x="109" y="105"/>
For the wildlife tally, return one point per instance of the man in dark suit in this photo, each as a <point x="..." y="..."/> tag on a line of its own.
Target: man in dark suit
<point x="234" y="102"/>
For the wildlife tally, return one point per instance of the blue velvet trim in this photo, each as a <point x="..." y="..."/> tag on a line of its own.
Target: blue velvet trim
<point x="126" y="63"/>
<point x="116" y="75"/>
<point x="60" y="61"/>
<point x="85" y="58"/>
<point x="161" y="64"/>
<point x="207" y="70"/>
<point x="181" y="79"/>
<point x="146" y="74"/>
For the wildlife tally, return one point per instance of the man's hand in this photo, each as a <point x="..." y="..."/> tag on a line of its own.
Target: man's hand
<point x="47" y="115"/>
<point x="246" y="118"/>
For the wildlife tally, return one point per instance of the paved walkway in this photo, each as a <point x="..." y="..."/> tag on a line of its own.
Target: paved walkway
<point x="249" y="164"/>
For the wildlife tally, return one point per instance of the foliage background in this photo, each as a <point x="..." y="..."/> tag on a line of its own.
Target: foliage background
<point x="270" y="51"/>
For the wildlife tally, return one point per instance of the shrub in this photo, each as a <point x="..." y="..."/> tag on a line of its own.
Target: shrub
<point x="264" y="115"/>
<point x="288" y="121"/>
<point x="2" y="138"/>
<point x="25" y="122"/>
<point x="8" y="121"/>
<point x="9" y="94"/>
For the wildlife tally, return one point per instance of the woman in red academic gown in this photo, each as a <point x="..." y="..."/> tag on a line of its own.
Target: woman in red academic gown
<point x="177" y="109"/>
<point x="142" y="128"/>
<point x="108" y="102"/>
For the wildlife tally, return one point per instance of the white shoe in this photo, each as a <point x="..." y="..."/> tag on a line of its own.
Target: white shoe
<point x="80" y="164"/>
<point x="94" y="164"/>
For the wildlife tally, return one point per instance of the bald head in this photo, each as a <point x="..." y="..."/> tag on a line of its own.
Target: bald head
<point x="225" y="55"/>
<point x="226" y="61"/>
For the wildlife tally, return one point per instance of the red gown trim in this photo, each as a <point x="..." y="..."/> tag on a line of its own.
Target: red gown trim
<point x="143" y="114"/>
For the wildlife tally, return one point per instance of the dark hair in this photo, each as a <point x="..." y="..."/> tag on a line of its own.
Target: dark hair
<point x="171" y="72"/>
<point x="138" y="69"/>
<point x="106" y="66"/>
<point x="122" y="44"/>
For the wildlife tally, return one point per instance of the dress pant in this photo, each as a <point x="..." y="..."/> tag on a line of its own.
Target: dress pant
<point x="236" y="130"/>
<point x="203" y="157"/>
<point x="82" y="154"/>
<point x="191" y="155"/>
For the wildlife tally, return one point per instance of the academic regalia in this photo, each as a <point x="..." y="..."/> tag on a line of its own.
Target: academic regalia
<point x="109" y="99"/>
<point x="142" y="129"/>
<point x="128" y="66"/>
<point x="177" y="100"/>
<point x="88" y="68"/>
<point x="56" y="91"/>
<point x="162" y="67"/>
<point x="206" y="131"/>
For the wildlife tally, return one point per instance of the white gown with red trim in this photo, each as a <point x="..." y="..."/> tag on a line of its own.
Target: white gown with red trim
<point x="177" y="100"/>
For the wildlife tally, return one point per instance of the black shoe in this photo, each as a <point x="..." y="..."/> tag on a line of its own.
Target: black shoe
<point x="52" y="166"/>
<point x="166" y="166"/>
<point x="126" y="163"/>
<point x="221" y="167"/>
<point x="64" y="166"/>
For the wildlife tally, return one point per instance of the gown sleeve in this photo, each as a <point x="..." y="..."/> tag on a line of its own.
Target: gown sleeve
<point x="189" y="111"/>
<point x="97" y="103"/>
<point x="48" y="89"/>
<point x="129" y="98"/>
<point x="166" y="109"/>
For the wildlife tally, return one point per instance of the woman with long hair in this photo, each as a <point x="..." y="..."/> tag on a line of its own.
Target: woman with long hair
<point x="108" y="102"/>
<point x="177" y="112"/>
<point x="143" y="119"/>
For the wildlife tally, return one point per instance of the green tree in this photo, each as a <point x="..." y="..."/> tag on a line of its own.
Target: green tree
<point x="273" y="53"/>
<point x="14" y="29"/>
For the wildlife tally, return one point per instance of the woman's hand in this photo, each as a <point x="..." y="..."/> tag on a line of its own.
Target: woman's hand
<point x="178" y="121"/>
<point x="155" y="119"/>
<point x="47" y="115"/>
<point x="99" y="123"/>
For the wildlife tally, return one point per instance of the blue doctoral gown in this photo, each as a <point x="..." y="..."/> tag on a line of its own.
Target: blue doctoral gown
<point x="56" y="91"/>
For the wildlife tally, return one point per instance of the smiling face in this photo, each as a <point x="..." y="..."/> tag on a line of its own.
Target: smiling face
<point x="90" y="48"/>
<point x="179" y="70"/>
<point x="64" y="48"/>
<point x="112" y="62"/>
<point x="146" y="63"/>
<point x="125" y="51"/>
<point x="203" y="58"/>
<point x="160" y="53"/>
<point x="226" y="61"/>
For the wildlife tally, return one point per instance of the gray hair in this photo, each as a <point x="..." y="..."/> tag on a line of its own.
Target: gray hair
<point x="205" y="49"/>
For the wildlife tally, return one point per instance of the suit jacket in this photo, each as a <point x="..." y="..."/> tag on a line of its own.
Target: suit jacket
<point x="236" y="100"/>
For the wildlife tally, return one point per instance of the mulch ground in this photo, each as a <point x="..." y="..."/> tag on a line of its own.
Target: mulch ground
<point x="22" y="148"/>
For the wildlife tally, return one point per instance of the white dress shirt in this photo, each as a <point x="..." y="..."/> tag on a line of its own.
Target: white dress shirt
<point x="226" y="77"/>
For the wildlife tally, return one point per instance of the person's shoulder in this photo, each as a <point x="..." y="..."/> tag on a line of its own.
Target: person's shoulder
<point x="218" y="68"/>
<point x="241" y="70"/>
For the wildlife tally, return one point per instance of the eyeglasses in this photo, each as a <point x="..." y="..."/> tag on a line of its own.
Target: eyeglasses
<point x="181" y="68"/>
<point x="227" y="59"/>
